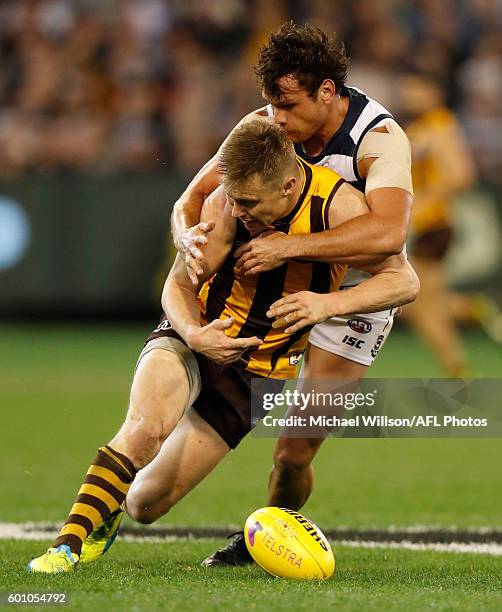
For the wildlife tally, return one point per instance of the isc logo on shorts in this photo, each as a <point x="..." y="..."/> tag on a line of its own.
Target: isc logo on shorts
<point x="351" y="341"/>
<point x="360" y="326"/>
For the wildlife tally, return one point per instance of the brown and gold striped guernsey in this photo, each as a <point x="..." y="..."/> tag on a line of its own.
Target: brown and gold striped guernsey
<point x="247" y="299"/>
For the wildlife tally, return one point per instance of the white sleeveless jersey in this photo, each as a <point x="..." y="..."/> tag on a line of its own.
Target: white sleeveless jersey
<point x="340" y="153"/>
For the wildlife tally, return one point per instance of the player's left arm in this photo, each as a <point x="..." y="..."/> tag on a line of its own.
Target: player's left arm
<point x="384" y="159"/>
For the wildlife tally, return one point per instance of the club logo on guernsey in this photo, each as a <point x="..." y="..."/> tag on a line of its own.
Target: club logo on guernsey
<point x="308" y="526"/>
<point x="294" y="358"/>
<point x="360" y="326"/>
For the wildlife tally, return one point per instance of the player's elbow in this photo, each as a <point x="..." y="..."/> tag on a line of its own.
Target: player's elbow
<point x="411" y="284"/>
<point x="394" y="241"/>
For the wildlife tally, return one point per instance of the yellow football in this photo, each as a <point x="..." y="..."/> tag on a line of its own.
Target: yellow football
<point x="286" y="544"/>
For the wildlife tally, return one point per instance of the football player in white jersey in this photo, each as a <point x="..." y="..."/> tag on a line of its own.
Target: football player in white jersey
<point x="302" y="72"/>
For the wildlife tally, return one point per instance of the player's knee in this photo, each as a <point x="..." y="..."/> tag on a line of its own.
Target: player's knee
<point x="140" y="509"/>
<point x="142" y="515"/>
<point x="145" y="430"/>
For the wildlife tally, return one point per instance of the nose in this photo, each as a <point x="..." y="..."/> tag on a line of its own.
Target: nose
<point x="236" y="211"/>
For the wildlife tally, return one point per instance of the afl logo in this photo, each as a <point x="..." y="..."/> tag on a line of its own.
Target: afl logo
<point x="360" y="326"/>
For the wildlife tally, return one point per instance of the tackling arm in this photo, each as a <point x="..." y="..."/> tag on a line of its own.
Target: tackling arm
<point x="179" y="294"/>
<point x="393" y="281"/>
<point x="384" y="159"/>
<point x="366" y="239"/>
<point x="188" y="229"/>
<point x="393" y="284"/>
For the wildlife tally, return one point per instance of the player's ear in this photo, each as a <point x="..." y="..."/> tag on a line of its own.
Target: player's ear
<point x="326" y="91"/>
<point x="288" y="185"/>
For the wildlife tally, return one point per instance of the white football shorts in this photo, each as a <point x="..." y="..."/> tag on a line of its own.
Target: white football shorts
<point x="355" y="337"/>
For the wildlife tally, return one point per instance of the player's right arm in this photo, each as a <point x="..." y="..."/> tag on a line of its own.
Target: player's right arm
<point x="392" y="283"/>
<point x="188" y="229"/>
<point x="179" y="297"/>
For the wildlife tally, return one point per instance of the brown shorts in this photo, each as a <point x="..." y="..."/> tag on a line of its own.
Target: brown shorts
<point x="224" y="400"/>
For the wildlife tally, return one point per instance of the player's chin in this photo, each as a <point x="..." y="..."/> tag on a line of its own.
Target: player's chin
<point x="294" y="136"/>
<point x="297" y="136"/>
<point x="254" y="227"/>
<point x="249" y="227"/>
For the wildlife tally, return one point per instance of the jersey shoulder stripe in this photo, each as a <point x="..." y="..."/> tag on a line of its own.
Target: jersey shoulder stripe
<point x="368" y="114"/>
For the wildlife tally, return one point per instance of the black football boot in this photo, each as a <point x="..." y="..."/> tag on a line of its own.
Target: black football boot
<point x="233" y="554"/>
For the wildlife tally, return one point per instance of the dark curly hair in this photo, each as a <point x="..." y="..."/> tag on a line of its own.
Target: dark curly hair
<point x="305" y="52"/>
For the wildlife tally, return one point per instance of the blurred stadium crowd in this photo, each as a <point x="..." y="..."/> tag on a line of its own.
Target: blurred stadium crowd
<point x="137" y="85"/>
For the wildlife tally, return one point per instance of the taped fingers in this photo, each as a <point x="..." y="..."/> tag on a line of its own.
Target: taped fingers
<point x="288" y="319"/>
<point x="281" y="310"/>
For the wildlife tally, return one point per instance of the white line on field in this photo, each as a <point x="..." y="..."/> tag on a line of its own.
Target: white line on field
<point x="455" y="547"/>
<point x="47" y="531"/>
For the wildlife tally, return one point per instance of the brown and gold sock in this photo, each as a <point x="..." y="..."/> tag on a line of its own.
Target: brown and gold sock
<point x="105" y="488"/>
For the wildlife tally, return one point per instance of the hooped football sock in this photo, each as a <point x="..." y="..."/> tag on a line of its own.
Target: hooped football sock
<point x="104" y="490"/>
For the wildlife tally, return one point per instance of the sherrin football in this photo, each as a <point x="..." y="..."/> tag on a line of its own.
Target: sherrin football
<point x="286" y="544"/>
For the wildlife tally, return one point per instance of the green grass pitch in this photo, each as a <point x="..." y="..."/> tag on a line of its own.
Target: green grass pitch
<point x="63" y="392"/>
<point x="168" y="577"/>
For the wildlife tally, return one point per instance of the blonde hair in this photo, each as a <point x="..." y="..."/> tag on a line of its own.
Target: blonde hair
<point x="256" y="147"/>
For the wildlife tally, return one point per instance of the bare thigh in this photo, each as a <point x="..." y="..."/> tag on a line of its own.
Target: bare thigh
<point x="159" y="396"/>
<point x="186" y="457"/>
<point x="319" y="364"/>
